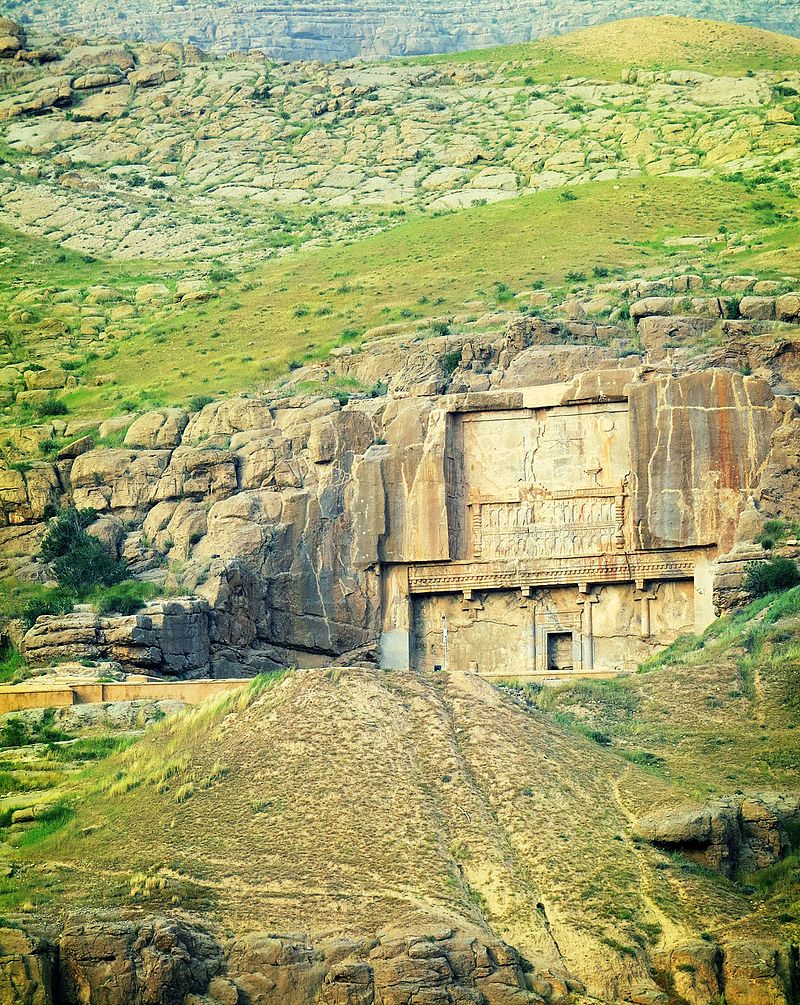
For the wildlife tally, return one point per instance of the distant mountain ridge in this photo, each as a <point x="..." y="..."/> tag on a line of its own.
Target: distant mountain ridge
<point x="331" y="29"/>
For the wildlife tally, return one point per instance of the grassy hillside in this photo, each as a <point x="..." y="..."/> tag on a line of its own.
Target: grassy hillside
<point x="298" y="307"/>
<point x="648" y="43"/>
<point x="360" y="800"/>
<point x="566" y="181"/>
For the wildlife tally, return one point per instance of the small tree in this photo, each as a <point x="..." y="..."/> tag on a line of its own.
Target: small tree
<point x="80" y="562"/>
<point x="774" y="576"/>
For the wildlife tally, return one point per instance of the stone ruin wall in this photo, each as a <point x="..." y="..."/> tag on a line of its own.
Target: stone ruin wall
<point x="572" y="511"/>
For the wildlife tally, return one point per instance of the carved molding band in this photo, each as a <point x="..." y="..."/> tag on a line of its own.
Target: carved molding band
<point x="628" y="567"/>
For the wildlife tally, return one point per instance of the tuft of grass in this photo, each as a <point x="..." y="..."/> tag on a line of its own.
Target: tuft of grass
<point x="92" y="748"/>
<point x="126" y="597"/>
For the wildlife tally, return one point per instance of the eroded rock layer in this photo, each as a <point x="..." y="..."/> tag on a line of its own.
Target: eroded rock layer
<point x="329" y="30"/>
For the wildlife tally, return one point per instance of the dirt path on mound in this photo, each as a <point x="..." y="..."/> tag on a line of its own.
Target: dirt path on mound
<point x="672" y="932"/>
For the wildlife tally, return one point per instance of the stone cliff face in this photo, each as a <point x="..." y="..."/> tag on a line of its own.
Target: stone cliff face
<point x="516" y="488"/>
<point x="327" y="30"/>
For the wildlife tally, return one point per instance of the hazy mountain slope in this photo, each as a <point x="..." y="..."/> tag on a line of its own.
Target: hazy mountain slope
<point x="327" y="30"/>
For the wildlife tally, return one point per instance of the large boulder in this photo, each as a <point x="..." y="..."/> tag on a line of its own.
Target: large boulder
<point x="12" y="37"/>
<point x="130" y="963"/>
<point x="727" y="836"/>
<point x="27" y="969"/>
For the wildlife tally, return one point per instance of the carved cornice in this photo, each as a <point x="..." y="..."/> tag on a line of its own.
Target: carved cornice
<point x="625" y="567"/>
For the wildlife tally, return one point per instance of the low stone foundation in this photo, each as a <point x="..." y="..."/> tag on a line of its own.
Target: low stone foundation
<point x="25" y="696"/>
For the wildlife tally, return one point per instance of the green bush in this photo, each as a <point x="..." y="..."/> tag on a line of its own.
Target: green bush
<point x="126" y="597"/>
<point x="16" y="732"/>
<point x="80" y="562"/>
<point x="774" y="576"/>
<point x="199" y="401"/>
<point x="50" y="602"/>
<point x="51" y="406"/>
<point x="12" y="663"/>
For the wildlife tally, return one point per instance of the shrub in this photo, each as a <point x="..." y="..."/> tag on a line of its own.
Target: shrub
<point x="12" y="663"/>
<point x="199" y="401"/>
<point x="51" y="602"/>
<point x="61" y="533"/>
<point x="440" y="328"/>
<point x="503" y="293"/>
<point x="16" y="732"/>
<point x="80" y="562"/>
<point x="51" y="406"/>
<point x="451" y="361"/>
<point x="221" y="275"/>
<point x="126" y="597"/>
<point x="774" y="576"/>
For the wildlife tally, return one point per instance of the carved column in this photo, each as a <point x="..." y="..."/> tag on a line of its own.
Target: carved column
<point x="643" y="596"/>
<point x="528" y="606"/>
<point x="586" y="600"/>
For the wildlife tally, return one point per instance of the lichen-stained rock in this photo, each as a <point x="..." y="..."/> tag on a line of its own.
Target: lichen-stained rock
<point x="12" y="37"/>
<point x="28" y="495"/>
<point x="27" y="969"/>
<point x="176" y="526"/>
<point x="171" y="637"/>
<point x="413" y="477"/>
<point x="264" y="459"/>
<point x="129" y="963"/>
<point x="695" y="970"/>
<point x="37" y="97"/>
<point x="697" y="442"/>
<point x="726" y="836"/>
<point x="193" y="471"/>
<point x="159" y="430"/>
<point x="224" y="418"/>
<point x="118" y="479"/>
<point x="757" y="974"/>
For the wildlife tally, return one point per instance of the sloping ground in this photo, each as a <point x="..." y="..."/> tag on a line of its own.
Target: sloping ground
<point x="297" y="308"/>
<point x="137" y="216"/>
<point x="352" y="801"/>
<point x="713" y="715"/>
<point x="651" y="43"/>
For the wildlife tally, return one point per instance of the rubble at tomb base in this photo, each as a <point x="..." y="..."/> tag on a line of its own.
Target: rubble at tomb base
<point x="575" y="513"/>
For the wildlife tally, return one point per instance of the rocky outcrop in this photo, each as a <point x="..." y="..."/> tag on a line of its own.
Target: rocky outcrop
<point x="728" y="836"/>
<point x="128" y="963"/>
<point x="288" y="514"/>
<point x="742" y="972"/>
<point x="171" y="637"/>
<point x="160" y="959"/>
<point x="27" y="969"/>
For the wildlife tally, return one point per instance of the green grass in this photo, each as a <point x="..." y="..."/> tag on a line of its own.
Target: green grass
<point x="13" y="665"/>
<point x="657" y="43"/>
<point x="431" y="264"/>
<point x="90" y="748"/>
<point x="126" y="597"/>
<point x="713" y="713"/>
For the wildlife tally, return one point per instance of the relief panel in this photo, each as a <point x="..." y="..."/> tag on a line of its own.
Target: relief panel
<point x="539" y="483"/>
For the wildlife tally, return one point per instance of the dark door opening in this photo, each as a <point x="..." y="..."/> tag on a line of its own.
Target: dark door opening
<point x="559" y="651"/>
